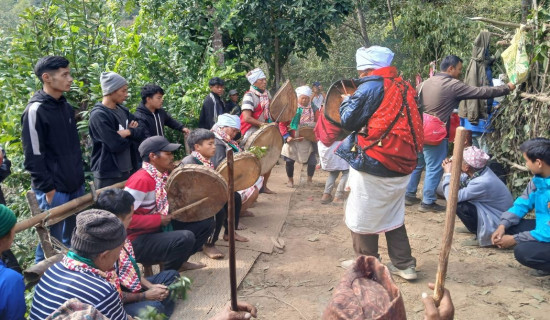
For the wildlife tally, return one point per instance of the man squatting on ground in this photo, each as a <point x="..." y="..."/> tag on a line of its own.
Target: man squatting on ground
<point x="386" y="105"/>
<point x="531" y="237"/>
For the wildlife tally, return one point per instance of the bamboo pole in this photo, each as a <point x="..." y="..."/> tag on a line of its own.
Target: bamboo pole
<point x="231" y="232"/>
<point x="450" y="215"/>
<point x="43" y="234"/>
<point x="63" y="211"/>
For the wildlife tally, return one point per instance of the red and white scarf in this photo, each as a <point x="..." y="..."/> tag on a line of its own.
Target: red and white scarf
<point x="127" y="273"/>
<point x="220" y="134"/>
<point x="308" y="115"/>
<point x="79" y="266"/>
<point x="202" y="159"/>
<point x="161" y="197"/>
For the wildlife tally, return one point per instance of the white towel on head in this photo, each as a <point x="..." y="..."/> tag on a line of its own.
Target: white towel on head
<point x="304" y="90"/>
<point x="255" y="75"/>
<point x="228" y="120"/>
<point x="374" y="57"/>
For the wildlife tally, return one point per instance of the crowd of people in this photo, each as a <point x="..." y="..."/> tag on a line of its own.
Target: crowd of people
<point x="380" y="149"/>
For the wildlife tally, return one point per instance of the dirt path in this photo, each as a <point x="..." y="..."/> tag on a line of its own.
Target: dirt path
<point x="297" y="283"/>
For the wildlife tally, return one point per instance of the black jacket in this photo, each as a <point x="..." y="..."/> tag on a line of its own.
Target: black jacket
<point x="212" y="107"/>
<point x="103" y="127"/>
<point x="51" y="144"/>
<point x="232" y="108"/>
<point x="154" y="122"/>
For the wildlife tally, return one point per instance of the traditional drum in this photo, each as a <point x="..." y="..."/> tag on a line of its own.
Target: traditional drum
<point x="195" y="192"/>
<point x="267" y="136"/>
<point x="284" y="105"/>
<point x="307" y="132"/>
<point x="246" y="170"/>
<point x="334" y="99"/>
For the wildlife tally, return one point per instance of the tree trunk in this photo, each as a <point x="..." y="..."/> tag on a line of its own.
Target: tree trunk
<point x="277" y="68"/>
<point x="391" y="17"/>
<point x="362" y="25"/>
<point x="525" y="7"/>
<point x="217" y="43"/>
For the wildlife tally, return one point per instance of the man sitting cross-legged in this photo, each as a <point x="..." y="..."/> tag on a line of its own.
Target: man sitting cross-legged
<point x="137" y="292"/>
<point x="154" y="235"/>
<point x="202" y="142"/>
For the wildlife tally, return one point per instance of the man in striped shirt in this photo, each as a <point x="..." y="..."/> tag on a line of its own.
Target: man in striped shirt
<point x="87" y="271"/>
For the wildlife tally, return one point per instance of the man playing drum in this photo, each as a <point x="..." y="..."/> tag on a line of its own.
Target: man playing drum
<point x="255" y="111"/>
<point x="154" y="235"/>
<point x="297" y="148"/>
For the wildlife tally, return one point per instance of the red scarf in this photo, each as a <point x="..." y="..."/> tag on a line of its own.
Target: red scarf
<point x="127" y="273"/>
<point x="202" y="159"/>
<point x="79" y="266"/>
<point x="398" y="150"/>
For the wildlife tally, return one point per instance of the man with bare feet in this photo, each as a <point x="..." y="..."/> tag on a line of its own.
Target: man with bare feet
<point x="154" y="235"/>
<point x="203" y="146"/>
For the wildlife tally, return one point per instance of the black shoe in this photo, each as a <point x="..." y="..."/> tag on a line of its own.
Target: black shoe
<point x="433" y="207"/>
<point x="410" y="200"/>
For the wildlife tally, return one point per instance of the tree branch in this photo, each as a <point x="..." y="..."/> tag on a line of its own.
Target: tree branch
<point x="498" y="23"/>
<point x="514" y="165"/>
<point x="538" y="97"/>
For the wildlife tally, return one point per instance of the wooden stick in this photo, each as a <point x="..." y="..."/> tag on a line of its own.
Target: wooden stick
<point x="450" y="215"/>
<point x="34" y="273"/>
<point x="538" y="97"/>
<point x="231" y="232"/>
<point x="63" y="211"/>
<point x="43" y="234"/>
<point x="191" y="206"/>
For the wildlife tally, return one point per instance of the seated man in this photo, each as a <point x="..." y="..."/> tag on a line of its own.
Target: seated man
<point x="154" y="235"/>
<point x="152" y="115"/>
<point x="531" y="236"/>
<point x="482" y="196"/>
<point x="202" y="144"/>
<point x="12" y="287"/>
<point x="87" y="271"/>
<point x="137" y="292"/>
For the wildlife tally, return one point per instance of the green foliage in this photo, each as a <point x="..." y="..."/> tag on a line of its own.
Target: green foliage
<point x="150" y="313"/>
<point x="178" y="288"/>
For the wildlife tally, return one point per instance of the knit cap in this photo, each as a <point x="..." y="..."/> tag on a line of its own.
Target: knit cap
<point x="475" y="157"/>
<point x="97" y="231"/>
<point x="111" y="82"/>
<point x="7" y="220"/>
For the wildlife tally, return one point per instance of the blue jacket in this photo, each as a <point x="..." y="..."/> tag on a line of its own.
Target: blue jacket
<point x="536" y="196"/>
<point x="355" y="112"/>
<point x="12" y="294"/>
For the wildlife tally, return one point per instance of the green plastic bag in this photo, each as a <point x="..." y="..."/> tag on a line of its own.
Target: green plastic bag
<point x="515" y="58"/>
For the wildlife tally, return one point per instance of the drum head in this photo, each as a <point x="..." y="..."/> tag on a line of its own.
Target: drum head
<point x="246" y="170"/>
<point x="267" y="136"/>
<point x="200" y="190"/>
<point x="334" y="99"/>
<point x="284" y="105"/>
<point x="308" y="133"/>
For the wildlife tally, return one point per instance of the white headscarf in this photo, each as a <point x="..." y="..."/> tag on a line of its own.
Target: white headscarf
<point x="304" y="90"/>
<point x="255" y="75"/>
<point x="228" y="120"/>
<point x="374" y="57"/>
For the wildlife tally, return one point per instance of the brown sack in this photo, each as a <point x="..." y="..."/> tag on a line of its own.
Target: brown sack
<point x="366" y="291"/>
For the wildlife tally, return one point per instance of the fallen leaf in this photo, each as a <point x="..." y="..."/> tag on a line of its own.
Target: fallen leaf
<point x="514" y="290"/>
<point x="511" y="318"/>
<point x="485" y="292"/>
<point x="313" y="238"/>
<point x="538" y="297"/>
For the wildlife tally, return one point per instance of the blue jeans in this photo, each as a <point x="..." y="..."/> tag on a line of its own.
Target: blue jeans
<point x="433" y="156"/>
<point x="165" y="306"/>
<point x="62" y="231"/>
<point x="412" y="187"/>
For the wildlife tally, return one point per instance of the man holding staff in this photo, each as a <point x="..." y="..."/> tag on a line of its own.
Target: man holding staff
<point x="382" y="160"/>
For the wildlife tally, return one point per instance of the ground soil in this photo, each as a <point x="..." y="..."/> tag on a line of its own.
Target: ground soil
<point x="297" y="282"/>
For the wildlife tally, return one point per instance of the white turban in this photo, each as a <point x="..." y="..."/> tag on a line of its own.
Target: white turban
<point x="304" y="90"/>
<point x="374" y="57"/>
<point x="255" y="75"/>
<point x="228" y="120"/>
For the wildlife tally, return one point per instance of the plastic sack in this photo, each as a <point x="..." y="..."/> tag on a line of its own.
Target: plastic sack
<point x="515" y="58"/>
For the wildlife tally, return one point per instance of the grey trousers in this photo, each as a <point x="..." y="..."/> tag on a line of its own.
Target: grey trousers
<point x="331" y="181"/>
<point x="399" y="248"/>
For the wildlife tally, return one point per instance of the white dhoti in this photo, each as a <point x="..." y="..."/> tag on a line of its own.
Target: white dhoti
<point x="329" y="160"/>
<point x="375" y="204"/>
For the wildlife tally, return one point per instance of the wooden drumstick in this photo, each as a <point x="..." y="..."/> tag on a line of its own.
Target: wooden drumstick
<point x="231" y="232"/>
<point x="188" y="207"/>
<point x="450" y="215"/>
<point x="344" y="87"/>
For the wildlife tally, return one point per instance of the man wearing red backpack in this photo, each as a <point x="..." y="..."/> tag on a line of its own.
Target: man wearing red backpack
<point x="382" y="152"/>
<point x="440" y="95"/>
